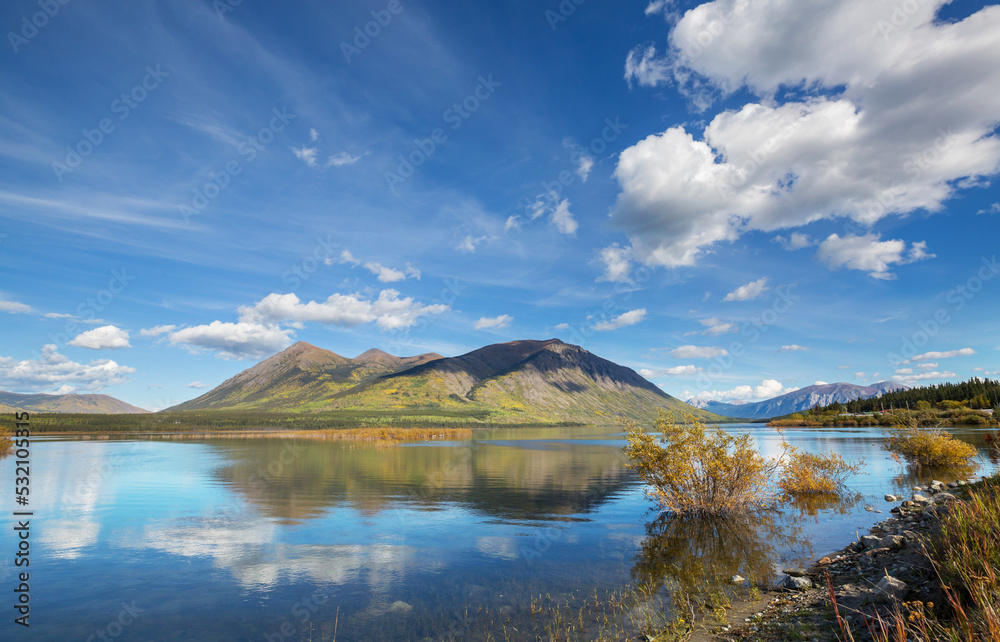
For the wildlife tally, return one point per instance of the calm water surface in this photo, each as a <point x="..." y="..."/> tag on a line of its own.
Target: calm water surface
<point x="256" y="539"/>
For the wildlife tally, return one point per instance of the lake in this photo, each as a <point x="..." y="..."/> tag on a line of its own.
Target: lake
<point x="155" y="538"/>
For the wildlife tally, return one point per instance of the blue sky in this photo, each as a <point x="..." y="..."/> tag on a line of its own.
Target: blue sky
<point x="736" y="199"/>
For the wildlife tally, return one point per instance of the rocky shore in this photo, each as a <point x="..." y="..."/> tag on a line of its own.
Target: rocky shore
<point x="882" y="572"/>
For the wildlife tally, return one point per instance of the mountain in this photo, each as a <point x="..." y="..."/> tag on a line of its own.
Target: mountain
<point x="515" y="382"/>
<point x="302" y="377"/>
<point x="798" y="400"/>
<point x="80" y="404"/>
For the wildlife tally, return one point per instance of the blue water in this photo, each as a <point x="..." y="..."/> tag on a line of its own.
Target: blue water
<point x="266" y="539"/>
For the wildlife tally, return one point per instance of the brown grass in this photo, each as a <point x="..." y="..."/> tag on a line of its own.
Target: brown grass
<point x="811" y="474"/>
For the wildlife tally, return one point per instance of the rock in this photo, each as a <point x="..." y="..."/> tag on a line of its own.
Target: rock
<point x="894" y="542"/>
<point x="792" y="583"/>
<point x="795" y="572"/>
<point x="910" y="535"/>
<point x="906" y="504"/>
<point x="737" y="579"/>
<point x="919" y="499"/>
<point x="944" y="497"/>
<point x="890" y="498"/>
<point x="824" y="561"/>
<point x="894" y="509"/>
<point x="400" y="607"/>
<point x="953" y="485"/>
<point x="870" y="542"/>
<point x="889" y="588"/>
<point x="870" y="509"/>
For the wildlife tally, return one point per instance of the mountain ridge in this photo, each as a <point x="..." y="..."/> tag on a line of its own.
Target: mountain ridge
<point x="797" y="400"/>
<point x="514" y="382"/>
<point x="90" y="404"/>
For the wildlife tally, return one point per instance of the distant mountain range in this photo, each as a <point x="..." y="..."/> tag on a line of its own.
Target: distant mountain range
<point x="80" y="404"/>
<point x="798" y="400"/>
<point x="516" y="382"/>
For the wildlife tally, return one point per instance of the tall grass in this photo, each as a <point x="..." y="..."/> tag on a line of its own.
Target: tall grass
<point x="965" y="552"/>
<point x="6" y="441"/>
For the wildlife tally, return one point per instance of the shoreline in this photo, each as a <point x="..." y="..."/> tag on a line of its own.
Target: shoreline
<point x="801" y="606"/>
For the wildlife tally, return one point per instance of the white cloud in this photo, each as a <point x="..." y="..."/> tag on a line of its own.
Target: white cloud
<point x="156" y="331"/>
<point x="306" y="154"/>
<point x="904" y="376"/>
<point x="624" y="320"/>
<point x="992" y="209"/>
<point x="389" y="311"/>
<point x="107" y="337"/>
<point x="860" y="375"/>
<point x="586" y="164"/>
<point x="869" y="253"/>
<point x="502" y="321"/>
<point x="313" y="135"/>
<point x="698" y="352"/>
<point x="766" y="390"/>
<point x="347" y="258"/>
<point x="749" y="291"/>
<point x="55" y="371"/>
<point x="562" y="326"/>
<point x="391" y="275"/>
<point x="513" y="223"/>
<point x="821" y="383"/>
<point x="197" y="385"/>
<point x="927" y="356"/>
<point x="797" y="241"/>
<point x="342" y="159"/>
<point x="233" y="340"/>
<point x="674" y="372"/>
<point x="873" y="134"/>
<point x="617" y="264"/>
<point x="12" y="307"/>
<point x="563" y="219"/>
<point x="926" y="366"/>
<point x="716" y="326"/>
<point x="792" y="348"/>
<point x="469" y="243"/>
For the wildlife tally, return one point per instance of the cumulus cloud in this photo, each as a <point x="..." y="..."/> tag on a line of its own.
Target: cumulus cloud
<point x="698" y="352"/>
<point x="797" y="241"/>
<point x="13" y="307"/>
<point x="391" y="275"/>
<point x="624" y="320"/>
<point x="107" y="337"/>
<point x="156" y="331"/>
<point x="765" y="390"/>
<point x="306" y="155"/>
<point x="869" y="253"/>
<point x="674" y="372"/>
<point x="53" y="371"/>
<point x="927" y="356"/>
<point x="792" y="348"/>
<point x="617" y="264"/>
<point x="748" y="291"/>
<point x="236" y="341"/>
<point x="502" y="321"/>
<point x="869" y="133"/>
<point x="389" y="311"/>
<point x="716" y="326"/>
<point x="563" y="219"/>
